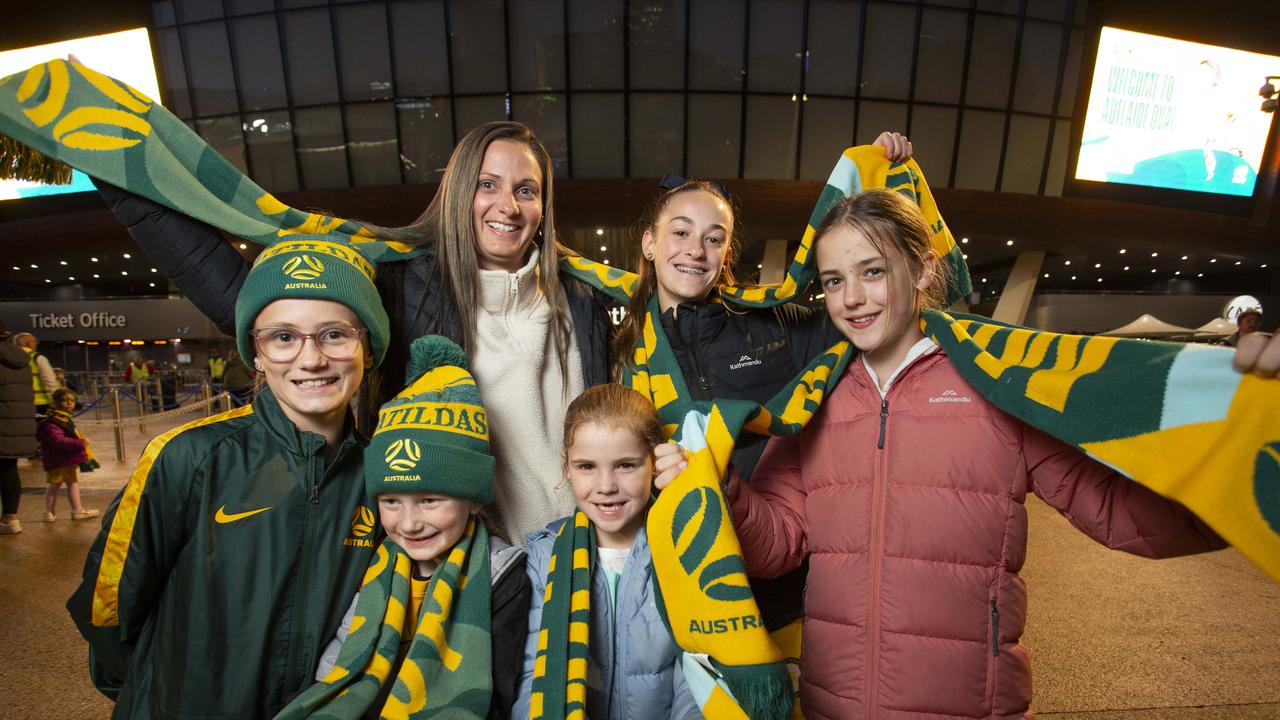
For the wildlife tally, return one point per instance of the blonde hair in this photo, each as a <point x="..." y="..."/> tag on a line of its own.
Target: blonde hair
<point x="629" y="332"/>
<point x="617" y="407"/>
<point x="889" y="220"/>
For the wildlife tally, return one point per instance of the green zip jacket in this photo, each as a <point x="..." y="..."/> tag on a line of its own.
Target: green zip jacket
<point x="224" y="566"/>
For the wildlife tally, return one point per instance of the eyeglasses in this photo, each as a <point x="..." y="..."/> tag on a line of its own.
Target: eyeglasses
<point x="282" y="344"/>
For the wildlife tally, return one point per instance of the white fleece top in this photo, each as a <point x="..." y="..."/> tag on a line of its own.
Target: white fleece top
<point x="518" y="375"/>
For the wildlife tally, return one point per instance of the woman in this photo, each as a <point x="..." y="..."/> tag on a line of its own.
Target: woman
<point x="17" y="427"/>
<point x="228" y="559"/>
<point x="489" y="280"/>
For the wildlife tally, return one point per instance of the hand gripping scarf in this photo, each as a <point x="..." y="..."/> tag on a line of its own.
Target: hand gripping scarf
<point x="448" y="669"/>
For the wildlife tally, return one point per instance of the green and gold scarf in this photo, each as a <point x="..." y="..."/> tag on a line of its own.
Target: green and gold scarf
<point x="448" y="669"/>
<point x="64" y="418"/>
<point x="560" y="665"/>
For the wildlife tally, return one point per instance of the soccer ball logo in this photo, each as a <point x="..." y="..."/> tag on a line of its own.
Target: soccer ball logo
<point x="402" y="455"/>
<point x="294" y="268"/>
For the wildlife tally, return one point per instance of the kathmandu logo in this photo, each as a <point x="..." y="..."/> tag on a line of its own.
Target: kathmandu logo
<point x="724" y="578"/>
<point x="745" y="361"/>
<point x="294" y="268"/>
<point x="403" y="455"/>
<point x="950" y="396"/>
<point x="362" y="521"/>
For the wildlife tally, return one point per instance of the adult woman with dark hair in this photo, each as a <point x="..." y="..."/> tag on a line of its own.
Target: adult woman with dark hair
<point x="17" y="427"/>
<point x="488" y="280"/>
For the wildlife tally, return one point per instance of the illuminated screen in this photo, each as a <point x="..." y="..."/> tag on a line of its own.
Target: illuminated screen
<point x="1174" y="114"/>
<point x="124" y="55"/>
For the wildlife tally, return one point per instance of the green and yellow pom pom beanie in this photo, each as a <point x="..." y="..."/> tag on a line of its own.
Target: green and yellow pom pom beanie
<point x="312" y="270"/>
<point x="434" y="436"/>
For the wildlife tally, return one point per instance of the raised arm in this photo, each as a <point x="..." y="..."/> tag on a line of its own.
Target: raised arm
<point x="191" y="254"/>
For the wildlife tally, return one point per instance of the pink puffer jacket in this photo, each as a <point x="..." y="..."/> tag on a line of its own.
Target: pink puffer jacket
<point x="914" y="524"/>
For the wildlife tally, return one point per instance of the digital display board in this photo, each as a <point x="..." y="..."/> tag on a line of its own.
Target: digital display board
<point x="1174" y="114"/>
<point x="124" y="55"/>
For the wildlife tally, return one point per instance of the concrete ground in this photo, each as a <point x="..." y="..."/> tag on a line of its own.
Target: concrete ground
<point x="1111" y="636"/>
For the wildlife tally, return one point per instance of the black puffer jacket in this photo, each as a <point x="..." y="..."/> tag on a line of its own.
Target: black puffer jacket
<point x="210" y="272"/>
<point x="17" y="403"/>
<point x="746" y="355"/>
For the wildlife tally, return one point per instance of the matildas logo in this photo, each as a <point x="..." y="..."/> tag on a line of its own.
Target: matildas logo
<point x="303" y="267"/>
<point x="697" y="522"/>
<point x="403" y="455"/>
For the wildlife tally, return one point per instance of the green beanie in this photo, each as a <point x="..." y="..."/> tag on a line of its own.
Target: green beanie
<point x="312" y="270"/>
<point x="434" y="436"/>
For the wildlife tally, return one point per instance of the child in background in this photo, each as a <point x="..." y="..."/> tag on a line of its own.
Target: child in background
<point x="63" y="450"/>
<point x="906" y="492"/>
<point x="454" y="596"/>
<point x="632" y="670"/>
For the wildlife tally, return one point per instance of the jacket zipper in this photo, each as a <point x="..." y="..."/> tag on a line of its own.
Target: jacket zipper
<point x="304" y="578"/>
<point x="995" y="629"/>
<point x="694" y="346"/>
<point x="884" y="419"/>
<point x="878" y="501"/>
<point x="515" y="284"/>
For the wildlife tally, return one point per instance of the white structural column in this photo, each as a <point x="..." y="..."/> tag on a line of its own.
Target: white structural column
<point x="1016" y="297"/>
<point x="774" y="264"/>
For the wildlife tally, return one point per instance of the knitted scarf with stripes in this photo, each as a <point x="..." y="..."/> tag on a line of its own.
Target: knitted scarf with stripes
<point x="447" y="671"/>
<point x="560" y="666"/>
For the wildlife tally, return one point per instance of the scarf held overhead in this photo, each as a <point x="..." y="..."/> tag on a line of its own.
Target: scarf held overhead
<point x="447" y="671"/>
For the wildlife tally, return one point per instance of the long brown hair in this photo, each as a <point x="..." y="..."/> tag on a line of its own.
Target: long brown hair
<point x="889" y="220"/>
<point x="447" y="222"/>
<point x="632" y="326"/>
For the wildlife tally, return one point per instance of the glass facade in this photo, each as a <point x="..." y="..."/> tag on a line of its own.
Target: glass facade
<point x="309" y="94"/>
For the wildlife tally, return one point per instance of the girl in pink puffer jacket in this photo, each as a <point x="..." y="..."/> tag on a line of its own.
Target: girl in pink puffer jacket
<point x="906" y="493"/>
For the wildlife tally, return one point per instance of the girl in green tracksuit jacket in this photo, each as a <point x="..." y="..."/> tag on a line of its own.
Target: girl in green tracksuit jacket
<point x="225" y="563"/>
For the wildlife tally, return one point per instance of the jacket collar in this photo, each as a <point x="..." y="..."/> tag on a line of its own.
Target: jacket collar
<point x="299" y="443"/>
<point x="501" y="291"/>
<point x="922" y="354"/>
<point x="695" y="323"/>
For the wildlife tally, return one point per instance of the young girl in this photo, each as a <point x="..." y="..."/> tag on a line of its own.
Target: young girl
<point x="225" y="563"/>
<point x="610" y="432"/>
<point x="429" y="467"/>
<point x="906" y="493"/>
<point x="62" y="451"/>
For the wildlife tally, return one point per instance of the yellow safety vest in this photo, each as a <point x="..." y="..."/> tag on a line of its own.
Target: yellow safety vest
<point x="138" y="374"/>
<point x="216" y="367"/>
<point x="43" y="396"/>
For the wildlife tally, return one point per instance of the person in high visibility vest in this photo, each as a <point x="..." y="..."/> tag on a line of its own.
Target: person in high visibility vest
<point x="137" y="370"/>
<point x="217" y="365"/>
<point x="43" y="381"/>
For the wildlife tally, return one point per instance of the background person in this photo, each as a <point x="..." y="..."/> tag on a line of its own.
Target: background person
<point x="226" y="562"/>
<point x="17" y="427"/>
<point x="43" y="380"/>
<point x="63" y="450"/>
<point x="217" y="365"/>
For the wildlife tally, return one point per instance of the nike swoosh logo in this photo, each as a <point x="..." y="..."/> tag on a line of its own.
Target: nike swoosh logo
<point x="223" y="518"/>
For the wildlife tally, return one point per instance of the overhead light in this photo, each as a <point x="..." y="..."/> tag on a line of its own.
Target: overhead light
<point x="966" y="255"/>
<point x="80" y="341"/>
<point x="48" y="280"/>
<point x="603" y="248"/>
<point x="1177" y="272"/>
<point x="124" y="272"/>
<point x="153" y="269"/>
<point x="984" y="279"/>
<point x="95" y="275"/>
<point x="1184" y="257"/>
<point x="1097" y="265"/>
<point x="599" y="231"/>
<point x="93" y="259"/>
<point x="15" y="267"/>
<point x="606" y="261"/>
<point x="72" y="278"/>
<point x="1263" y="265"/>
<point x="1126" y="267"/>
<point x="1153" y="269"/>
<point x="35" y="266"/>
<point x="964" y="240"/>
<point x="1008" y="242"/>
<point x="1199" y="274"/>
<point x="62" y="263"/>
<point x="1213" y="260"/>
<point x="153" y="284"/>
<point x="1067" y="262"/>
<point x="1073" y="277"/>
<point x="127" y="256"/>
<point x="1046" y="274"/>
<point x="243" y="246"/>
<point x="760" y="266"/>
<point x="1099" y="279"/>
<point x="1238" y="262"/>
<point x="1121" y="251"/>
<point x="1155" y="254"/>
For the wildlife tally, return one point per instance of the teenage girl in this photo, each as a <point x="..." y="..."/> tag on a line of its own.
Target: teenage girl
<point x="909" y="509"/>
